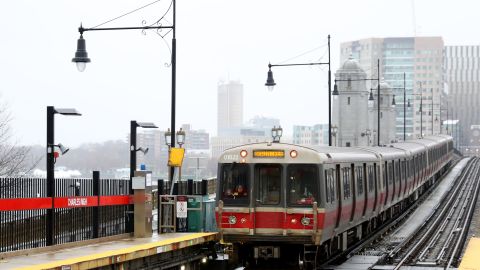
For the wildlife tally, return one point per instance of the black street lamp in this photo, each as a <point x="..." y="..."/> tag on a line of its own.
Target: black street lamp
<point x="133" y="163"/>
<point x="271" y="83"/>
<point x="370" y="98"/>
<point x="81" y="56"/>
<point x="51" y="111"/>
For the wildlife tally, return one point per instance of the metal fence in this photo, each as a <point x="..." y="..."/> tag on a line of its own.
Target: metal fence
<point x="83" y="209"/>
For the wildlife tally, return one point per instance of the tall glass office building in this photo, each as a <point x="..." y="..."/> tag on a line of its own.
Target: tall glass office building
<point x="421" y="59"/>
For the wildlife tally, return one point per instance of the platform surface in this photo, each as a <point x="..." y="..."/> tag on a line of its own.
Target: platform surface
<point x="101" y="254"/>
<point x="471" y="258"/>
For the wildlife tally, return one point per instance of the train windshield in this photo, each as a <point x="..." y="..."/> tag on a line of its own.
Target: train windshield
<point x="302" y="181"/>
<point x="268" y="179"/>
<point x="234" y="183"/>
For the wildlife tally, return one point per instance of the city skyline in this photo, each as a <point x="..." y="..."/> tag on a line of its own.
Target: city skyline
<point x="114" y="90"/>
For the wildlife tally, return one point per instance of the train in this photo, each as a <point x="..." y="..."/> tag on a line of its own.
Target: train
<point x="278" y="200"/>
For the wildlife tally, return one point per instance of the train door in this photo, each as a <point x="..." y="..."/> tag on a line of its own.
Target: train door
<point x="365" y="188"/>
<point x="339" y="195"/>
<point x="354" y="190"/>
<point x="376" y="186"/>
<point x="385" y="182"/>
<point x="269" y="210"/>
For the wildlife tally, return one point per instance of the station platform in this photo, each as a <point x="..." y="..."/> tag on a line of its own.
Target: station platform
<point x="471" y="258"/>
<point x="106" y="253"/>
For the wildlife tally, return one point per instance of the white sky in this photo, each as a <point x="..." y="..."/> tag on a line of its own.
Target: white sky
<point x="216" y="39"/>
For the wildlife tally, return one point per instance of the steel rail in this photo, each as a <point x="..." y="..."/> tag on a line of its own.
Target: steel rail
<point x="466" y="223"/>
<point x="435" y="223"/>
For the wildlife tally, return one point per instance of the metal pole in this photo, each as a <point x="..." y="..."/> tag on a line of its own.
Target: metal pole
<point x="133" y="166"/>
<point x="174" y="66"/>
<point x="447" y="119"/>
<point x="329" y="97"/>
<point x="49" y="234"/>
<point x="378" y="102"/>
<point x="404" y="108"/>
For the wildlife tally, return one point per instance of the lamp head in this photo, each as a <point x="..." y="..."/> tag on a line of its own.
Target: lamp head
<point x="335" y="89"/>
<point x="270" y="82"/>
<point x="181" y="137"/>
<point x="168" y="137"/>
<point x="81" y="55"/>
<point x="370" y="97"/>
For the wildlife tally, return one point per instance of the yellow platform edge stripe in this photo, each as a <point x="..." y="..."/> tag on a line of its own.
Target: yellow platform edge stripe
<point x="471" y="258"/>
<point x="117" y="252"/>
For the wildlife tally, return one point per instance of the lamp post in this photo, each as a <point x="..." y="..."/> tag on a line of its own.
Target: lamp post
<point x="271" y="83"/>
<point x="336" y="93"/>
<point x="81" y="57"/>
<point x="133" y="164"/>
<point x="51" y="111"/>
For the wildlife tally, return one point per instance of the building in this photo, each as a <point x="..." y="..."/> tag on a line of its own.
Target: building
<point x="197" y="144"/>
<point x="350" y="106"/>
<point x="354" y="115"/>
<point x="196" y="139"/>
<point x="421" y="59"/>
<point x="310" y="135"/>
<point x="462" y="77"/>
<point x="220" y="144"/>
<point x="229" y="106"/>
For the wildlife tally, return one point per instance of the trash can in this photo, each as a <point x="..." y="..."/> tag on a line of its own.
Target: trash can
<point x="195" y="221"/>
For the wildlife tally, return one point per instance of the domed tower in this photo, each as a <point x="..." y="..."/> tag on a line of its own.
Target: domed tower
<point x="387" y="114"/>
<point x="350" y="106"/>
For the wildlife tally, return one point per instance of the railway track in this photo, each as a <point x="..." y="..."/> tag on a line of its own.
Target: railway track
<point x="440" y="239"/>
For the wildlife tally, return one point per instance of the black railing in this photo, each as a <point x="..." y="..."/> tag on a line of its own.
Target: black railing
<point x="83" y="209"/>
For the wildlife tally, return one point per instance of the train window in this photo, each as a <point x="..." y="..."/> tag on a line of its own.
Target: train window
<point x="268" y="179"/>
<point x="332" y="185"/>
<point x="234" y="183"/>
<point x="346" y="182"/>
<point x="329" y="185"/>
<point x="302" y="184"/>
<point x="359" y="174"/>
<point x="370" y="178"/>
<point x="390" y="172"/>
<point x="397" y="172"/>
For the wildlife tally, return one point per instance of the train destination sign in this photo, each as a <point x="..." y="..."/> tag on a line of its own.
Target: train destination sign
<point x="269" y="153"/>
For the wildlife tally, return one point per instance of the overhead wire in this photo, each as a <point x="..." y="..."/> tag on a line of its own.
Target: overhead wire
<point x="128" y="13"/>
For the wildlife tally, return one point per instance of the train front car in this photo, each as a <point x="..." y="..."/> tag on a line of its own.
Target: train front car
<point x="268" y="200"/>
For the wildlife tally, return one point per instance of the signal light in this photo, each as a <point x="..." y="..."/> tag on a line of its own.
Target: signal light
<point x="243" y="153"/>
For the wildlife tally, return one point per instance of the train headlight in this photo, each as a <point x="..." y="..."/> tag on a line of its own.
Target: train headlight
<point x="243" y="220"/>
<point x="232" y="219"/>
<point x="293" y="154"/>
<point x="243" y="153"/>
<point x="305" y="221"/>
<point x="294" y="221"/>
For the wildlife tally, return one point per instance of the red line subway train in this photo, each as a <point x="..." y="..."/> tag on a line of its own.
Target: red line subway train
<point x="277" y="200"/>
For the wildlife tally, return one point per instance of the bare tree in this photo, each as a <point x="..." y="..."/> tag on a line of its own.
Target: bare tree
<point x="15" y="161"/>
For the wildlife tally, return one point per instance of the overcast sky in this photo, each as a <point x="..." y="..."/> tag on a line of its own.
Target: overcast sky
<point x="216" y="40"/>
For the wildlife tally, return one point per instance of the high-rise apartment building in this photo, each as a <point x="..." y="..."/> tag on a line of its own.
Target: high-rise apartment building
<point x="229" y="106"/>
<point x="462" y="77"/>
<point x="421" y="59"/>
<point x="311" y="135"/>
